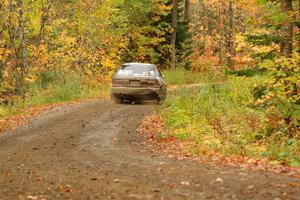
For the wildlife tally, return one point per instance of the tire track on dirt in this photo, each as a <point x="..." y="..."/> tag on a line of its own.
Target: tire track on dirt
<point x="92" y="151"/>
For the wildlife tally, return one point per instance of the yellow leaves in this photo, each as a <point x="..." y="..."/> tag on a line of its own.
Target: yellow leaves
<point x="212" y="4"/>
<point x="6" y="74"/>
<point x="30" y="78"/>
<point x="65" y="40"/>
<point x="109" y="60"/>
<point x="260" y="31"/>
<point x="87" y="36"/>
<point x="241" y="42"/>
<point x="265" y="49"/>
<point x="209" y="140"/>
<point x="162" y="9"/>
<point x="40" y="53"/>
<point x="155" y="18"/>
<point x="250" y="5"/>
<point x="280" y="95"/>
<point x="105" y="11"/>
<point x="4" y="53"/>
<point x="122" y="44"/>
<point x="107" y="63"/>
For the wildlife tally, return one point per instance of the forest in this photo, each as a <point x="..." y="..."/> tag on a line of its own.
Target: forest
<point x="232" y="65"/>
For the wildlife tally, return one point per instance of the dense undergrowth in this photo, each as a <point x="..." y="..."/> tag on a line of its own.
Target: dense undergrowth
<point x="181" y="76"/>
<point x="220" y="115"/>
<point x="49" y="88"/>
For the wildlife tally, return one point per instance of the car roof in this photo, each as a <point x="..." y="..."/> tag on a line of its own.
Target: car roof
<point x="137" y="63"/>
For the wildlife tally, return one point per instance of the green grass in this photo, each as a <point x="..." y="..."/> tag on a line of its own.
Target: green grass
<point x="220" y="116"/>
<point x="181" y="76"/>
<point x="59" y="89"/>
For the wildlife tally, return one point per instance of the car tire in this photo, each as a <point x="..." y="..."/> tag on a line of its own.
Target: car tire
<point x="159" y="100"/>
<point x="117" y="100"/>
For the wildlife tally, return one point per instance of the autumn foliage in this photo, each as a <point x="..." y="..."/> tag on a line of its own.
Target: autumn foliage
<point x="242" y="58"/>
<point x="40" y="39"/>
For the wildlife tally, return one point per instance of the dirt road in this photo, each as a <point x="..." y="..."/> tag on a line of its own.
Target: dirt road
<point x="92" y="151"/>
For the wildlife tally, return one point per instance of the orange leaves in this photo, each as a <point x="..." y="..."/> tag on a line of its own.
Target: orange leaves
<point x="152" y="128"/>
<point x="205" y="63"/>
<point x="21" y="119"/>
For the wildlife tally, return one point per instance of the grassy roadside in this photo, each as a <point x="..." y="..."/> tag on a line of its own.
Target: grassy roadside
<point x="44" y="94"/>
<point x="220" y="116"/>
<point x="182" y="77"/>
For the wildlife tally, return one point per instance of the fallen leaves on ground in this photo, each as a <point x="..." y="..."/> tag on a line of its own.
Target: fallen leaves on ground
<point x="152" y="128"/>
<point x="22" y="119"/>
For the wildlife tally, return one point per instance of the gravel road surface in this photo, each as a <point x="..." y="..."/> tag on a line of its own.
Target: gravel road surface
<point x="93" y="151"/>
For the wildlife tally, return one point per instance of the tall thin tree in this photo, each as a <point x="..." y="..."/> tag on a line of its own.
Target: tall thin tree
<point x="174" y="33"/>
<point x="44" y="17"/>
<point x="22" y="48"/>
<point x="187" y="10"/>
<point x="287" y="30"/>
<point x="231" y="34"/>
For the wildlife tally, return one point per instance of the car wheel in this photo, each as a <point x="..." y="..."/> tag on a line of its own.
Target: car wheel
<point x="159" y="100"/>
<point x="117" y="100"/>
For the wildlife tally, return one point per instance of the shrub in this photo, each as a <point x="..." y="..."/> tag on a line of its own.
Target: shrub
<point x="246" y="72"/>
<point x="53" y="87"/>
<point x="181" y="76"/>
<point x="280" y="94"/>
<point x="220" y="116"/>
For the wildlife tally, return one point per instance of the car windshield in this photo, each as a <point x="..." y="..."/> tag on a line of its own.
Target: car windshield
<point x="136" y="70"/>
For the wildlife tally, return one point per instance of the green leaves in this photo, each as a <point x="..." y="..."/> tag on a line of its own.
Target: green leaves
<point x="148" y="30"/>
<point x="262" y="39"/>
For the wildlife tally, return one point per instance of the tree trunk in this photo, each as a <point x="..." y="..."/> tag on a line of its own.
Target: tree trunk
<point x="23" y="56"/>
<point x="187" y="10"/>
<point x="286" y="31"/>
<point x="174" y="27"/>
<point x="222" y="31"/>
<point x="42" y="21"/>
<point x="1" y="45"/>
<point x="231" y="33"/>
<point x="44" y="17"/>
<point x="286" y="48"/>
